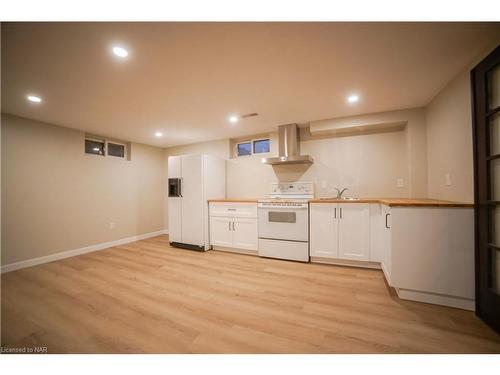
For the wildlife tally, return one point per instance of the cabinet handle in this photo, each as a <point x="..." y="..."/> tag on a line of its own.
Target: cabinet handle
<point x="231" y="209"/>
<point x="233" y="226"/>
<point x="335" y="214"/>
<point x="341" y="212"/>
<point x="388" y="227"/>
<point x="229" y="225"/>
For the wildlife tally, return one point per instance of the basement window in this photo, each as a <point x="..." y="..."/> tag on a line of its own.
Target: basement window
<point x="95" y="146"/>
<point x="261" y="146"/>
<point x="116" y="150"/>
<point x="244" y="148"/>
<point x="254" y="146"/>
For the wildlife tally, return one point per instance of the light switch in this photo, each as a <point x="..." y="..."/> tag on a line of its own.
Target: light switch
<point x="400" y="182"/>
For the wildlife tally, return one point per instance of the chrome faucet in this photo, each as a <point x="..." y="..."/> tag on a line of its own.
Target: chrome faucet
<point x="340" y="192"/>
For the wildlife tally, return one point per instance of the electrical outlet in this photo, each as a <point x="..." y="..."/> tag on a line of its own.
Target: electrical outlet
<point x="447" y="179"/>
<point x="112" y="225"/>
<point x="400" y="182"/>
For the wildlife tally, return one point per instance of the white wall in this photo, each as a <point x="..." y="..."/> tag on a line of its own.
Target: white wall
<point x="56" y="198"/>
<point x="368" y="165"/>
<point x="449" y="138"/>
<point x="218" y="148"/>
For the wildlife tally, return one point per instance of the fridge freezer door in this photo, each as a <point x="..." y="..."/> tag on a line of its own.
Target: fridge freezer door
<point x="174" y="219"/>
<point x="192" y="201"/>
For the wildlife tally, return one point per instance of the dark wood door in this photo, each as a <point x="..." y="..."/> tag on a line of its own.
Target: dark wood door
<point x="486" y="119"/>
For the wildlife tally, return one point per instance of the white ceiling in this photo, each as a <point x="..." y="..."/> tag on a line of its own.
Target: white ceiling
<point x="185" y="79"/>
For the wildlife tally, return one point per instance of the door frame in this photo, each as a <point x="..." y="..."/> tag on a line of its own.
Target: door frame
<point x="480" y="113"/>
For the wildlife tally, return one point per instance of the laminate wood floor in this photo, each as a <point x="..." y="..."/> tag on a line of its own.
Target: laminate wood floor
<point x="148" y="297"/>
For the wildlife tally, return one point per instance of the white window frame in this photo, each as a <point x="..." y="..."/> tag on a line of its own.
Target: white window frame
<point x="252" y="147"/>
<point x="240" y="143"/>
<point x="260" y="139"/>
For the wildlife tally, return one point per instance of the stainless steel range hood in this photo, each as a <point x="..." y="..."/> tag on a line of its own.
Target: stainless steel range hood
<point x="289" y="147"/>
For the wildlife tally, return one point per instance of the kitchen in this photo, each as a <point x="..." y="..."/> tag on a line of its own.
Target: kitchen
<point x="288" y="223"/>
<point x="329" y="188"/>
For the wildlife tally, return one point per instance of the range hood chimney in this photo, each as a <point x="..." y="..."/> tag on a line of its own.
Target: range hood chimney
<point x="289" y="147"/>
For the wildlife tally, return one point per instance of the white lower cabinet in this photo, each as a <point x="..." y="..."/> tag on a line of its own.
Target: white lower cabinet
<point x="220" y="231"/>
<point x="340" y="231"/>
<point x="244" y="233"/>
<point x="429" y="254"/>
<point x="354" y="231"/>
<point x="237" y="229"/>
<point x="324" y="230"/>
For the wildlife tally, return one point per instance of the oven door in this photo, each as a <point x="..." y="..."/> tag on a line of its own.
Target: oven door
<point x="284" y="223"/>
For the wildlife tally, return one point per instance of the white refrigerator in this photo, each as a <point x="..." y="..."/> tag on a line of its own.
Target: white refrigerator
<point x="192" y="181"/>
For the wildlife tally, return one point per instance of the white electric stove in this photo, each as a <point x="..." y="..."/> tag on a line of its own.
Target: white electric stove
<point x="284" y="221"/>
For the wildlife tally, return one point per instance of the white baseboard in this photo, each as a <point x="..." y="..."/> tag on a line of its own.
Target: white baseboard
<point x="80" y="251"/>
<point x="236" y="251"/>
<point x="437" y="299"/>
<point x="345" y="262"/>
<point x="386" y="273"/>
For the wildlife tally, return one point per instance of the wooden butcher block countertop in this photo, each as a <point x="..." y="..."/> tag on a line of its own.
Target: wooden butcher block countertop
<point x="233" y="200"/>
<point x="398" y="202"/>
<point x="392" y="202"/>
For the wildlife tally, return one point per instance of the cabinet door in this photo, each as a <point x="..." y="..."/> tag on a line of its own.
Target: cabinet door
<point x="244" y="233"/>
<point x="386" y="243"/>
<point x="376" y="232"/>
<point x="354" y="231"/>
<point x="220" y="231"/>
<point x="324" y="230"/>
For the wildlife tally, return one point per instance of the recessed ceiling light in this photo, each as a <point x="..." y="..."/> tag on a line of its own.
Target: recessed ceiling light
<point x="352" y="98"/>
<point x="96" y="149"/>
<point x="34" y="98"/>
<point x="120" y="51"/>
<point x="158" y="134"/>
<point x="233" y="119"/>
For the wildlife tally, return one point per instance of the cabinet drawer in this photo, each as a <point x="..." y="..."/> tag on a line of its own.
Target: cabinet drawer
<point x="244" y="210"/>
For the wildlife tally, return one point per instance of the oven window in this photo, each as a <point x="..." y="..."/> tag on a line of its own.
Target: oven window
<point x="282" y="217"/>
